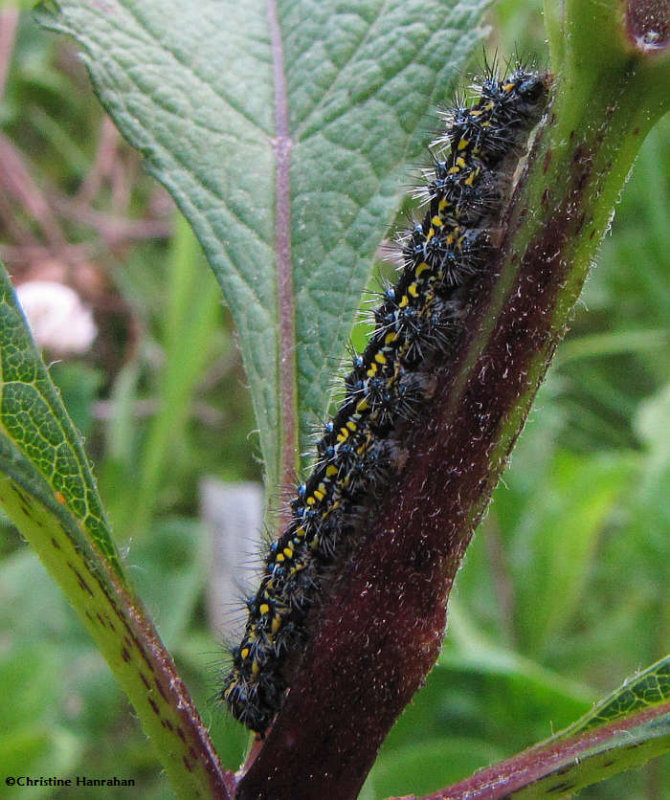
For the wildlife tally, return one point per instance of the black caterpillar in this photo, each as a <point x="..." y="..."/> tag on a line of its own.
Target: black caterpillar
<point x="417" y="325"/>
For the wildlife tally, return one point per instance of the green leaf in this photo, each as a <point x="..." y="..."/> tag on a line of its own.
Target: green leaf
<point x="48" y="491"/>
<point x="172" y="570"/>
<point x="646" y="691"/>
<point x="471" y="651"/>
<point x="625" y="730"/>
<point x="555" y="541"/>
<point x="39" y="750"/>
<point x="15" y="4"/>
<point x="599" y="344"/>
<point x="651" y="423"/>
<point x="190" y="324"/>
<point x="24" y="675"/>
<point x="286" y="144"/>
<point x="426" y="766"/>
<point x="39" y="447"/>
<point x="31" y="742"/>
<point x="650" y="517"/>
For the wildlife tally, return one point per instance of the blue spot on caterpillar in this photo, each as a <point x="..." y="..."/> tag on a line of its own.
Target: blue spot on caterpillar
<point x="389" y="386"/>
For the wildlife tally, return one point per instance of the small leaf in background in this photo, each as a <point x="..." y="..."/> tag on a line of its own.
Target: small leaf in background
<point x="652" y="423"/>
<point x="553" y="547"/>
<point x="429" y="766"/>
<point x="170" y="570"/>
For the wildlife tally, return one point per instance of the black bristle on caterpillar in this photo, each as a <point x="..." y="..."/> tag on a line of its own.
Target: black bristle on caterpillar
<point x="417" y="326"/>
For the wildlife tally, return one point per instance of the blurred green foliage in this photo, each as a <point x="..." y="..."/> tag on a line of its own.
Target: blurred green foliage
<point x="566" y="587"/>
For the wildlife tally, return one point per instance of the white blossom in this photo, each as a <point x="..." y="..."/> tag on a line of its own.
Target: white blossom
<point x="58" y="318"/>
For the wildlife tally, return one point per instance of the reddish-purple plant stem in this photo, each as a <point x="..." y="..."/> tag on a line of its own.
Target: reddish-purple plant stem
<point x="283" y="145"/>
<point x="382" y="628"/>
<point x="644" y="16"/>
<point x="524" y="769"/>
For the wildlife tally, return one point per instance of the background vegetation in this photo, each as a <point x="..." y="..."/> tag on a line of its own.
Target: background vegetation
<point x="565" y="589"/>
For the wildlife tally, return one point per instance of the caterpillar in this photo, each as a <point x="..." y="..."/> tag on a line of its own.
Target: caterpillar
<point x="389" y="387"/>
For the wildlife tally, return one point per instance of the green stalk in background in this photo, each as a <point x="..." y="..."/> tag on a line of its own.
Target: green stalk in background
<point x="187" y="333"/>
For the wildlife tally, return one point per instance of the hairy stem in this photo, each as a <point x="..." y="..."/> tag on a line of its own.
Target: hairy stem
<point x="380" y="631"/>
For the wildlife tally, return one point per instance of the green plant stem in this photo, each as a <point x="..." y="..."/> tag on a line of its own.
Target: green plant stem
<point x="612" y="344"/>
